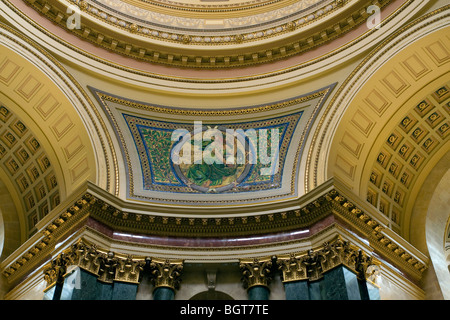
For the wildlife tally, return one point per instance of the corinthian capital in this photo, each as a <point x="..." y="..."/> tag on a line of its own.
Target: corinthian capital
<point x="129" y="270"/>
<point x="257" y="272"/>
<point x="166" y="273"/>
<point x="108" y="263"/>
<point x="56" y="269"/>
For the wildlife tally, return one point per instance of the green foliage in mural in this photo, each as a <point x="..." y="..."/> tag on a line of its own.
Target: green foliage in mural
<point x="159" y="144"/>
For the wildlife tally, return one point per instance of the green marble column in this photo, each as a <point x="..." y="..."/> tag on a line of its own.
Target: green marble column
<point x="340" y="284"/>
<point x="124" y="291"/>
<point x="58" y="290"/>
<point x="296" y="290"/>
<point x="163" y="293"/>
<point x="373" y="291"/>
<point x="86" y="288"/>
<point x="71" y="282"/>
<point x="258" y="293"/>
<point x="363" y="290"/>
<point x="315" y="290"/>
<point x="166" y="277"/>
<point x="256" y="276"/>
<point x="104" y="290"/>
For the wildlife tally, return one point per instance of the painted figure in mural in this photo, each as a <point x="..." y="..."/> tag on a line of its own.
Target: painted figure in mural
<point x="212" y="174"/>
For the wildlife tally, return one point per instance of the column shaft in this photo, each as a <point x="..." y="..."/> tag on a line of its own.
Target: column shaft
<point x="258" y="293"/>
<point x="297" y="290"/>
<point x="163" y="293"/>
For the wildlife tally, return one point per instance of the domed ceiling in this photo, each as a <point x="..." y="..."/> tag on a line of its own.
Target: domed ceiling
<point x="160" y="74"/>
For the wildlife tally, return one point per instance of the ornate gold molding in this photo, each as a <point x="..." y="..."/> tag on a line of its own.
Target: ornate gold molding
<point x="55" y="271"/>
<point x="293" y="44"/>
<point x="329" y="202"/>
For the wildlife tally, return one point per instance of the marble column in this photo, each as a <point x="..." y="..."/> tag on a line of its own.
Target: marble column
<point x="315" y="290"/>
<point x="297" y="290"/>
<point x="257" y="275"/>
<point x="124" y="291"/>
<point x="163" y="293"/>
<point x="86" y="287"/>
<point x="166" y="277"/>
<point x="127" y="276"/>
<point x="340" y="284"/>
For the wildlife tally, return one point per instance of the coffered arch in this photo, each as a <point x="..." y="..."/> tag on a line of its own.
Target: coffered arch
<point x="40" y="107"/>
<point x="412" y="66"/>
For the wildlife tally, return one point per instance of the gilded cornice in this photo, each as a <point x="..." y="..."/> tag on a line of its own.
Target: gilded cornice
<point x="329" y="202"/>
<point x="183" y="49"/>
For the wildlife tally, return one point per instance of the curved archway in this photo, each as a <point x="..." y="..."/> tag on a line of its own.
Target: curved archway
<point x="211" y="295"/>
<point x="386" y="89"/>
<point x="10" y="234"/>
<point x="400" y="67"/>
<point x="431" y="218"/>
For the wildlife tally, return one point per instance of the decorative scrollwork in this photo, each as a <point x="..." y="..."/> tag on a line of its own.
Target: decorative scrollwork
<point x="107" y="270"/>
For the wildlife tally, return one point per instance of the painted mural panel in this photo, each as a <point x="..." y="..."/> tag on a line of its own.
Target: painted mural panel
<point x="212" y="158"/>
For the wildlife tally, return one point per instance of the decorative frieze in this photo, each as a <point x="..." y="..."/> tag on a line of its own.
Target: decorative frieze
<point x="173" y="37"/>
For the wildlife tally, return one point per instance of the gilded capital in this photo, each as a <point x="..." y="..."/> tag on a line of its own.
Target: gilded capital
<point x="129" y="270"/>
<point x="257" y="272"/>
<point x="106" y="265"/>
<point x="166" y="273"/>
<point x="107" y="269"/>
<point x="86" y="257"/>
<point x="293" y="268"/>
<point x="56" y="269"/>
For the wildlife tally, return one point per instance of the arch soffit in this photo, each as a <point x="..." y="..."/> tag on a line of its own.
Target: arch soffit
<point x="408" y="68"/>
<point x="38" y="92"/>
